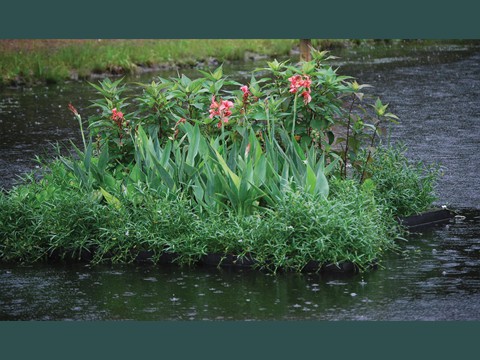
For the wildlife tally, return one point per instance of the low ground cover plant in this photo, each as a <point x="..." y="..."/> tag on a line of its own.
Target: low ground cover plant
<point x="285" y="170"/>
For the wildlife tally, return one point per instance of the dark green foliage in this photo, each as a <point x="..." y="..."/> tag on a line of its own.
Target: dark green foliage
<point x="404" y="187"/>
<point x="302" y="227"/>
<point x="252" y="179"/>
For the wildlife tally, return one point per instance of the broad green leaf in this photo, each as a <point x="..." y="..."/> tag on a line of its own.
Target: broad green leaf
<point x="226" y="169"/>
<point x="111" y="200"/>
<point x="310" y="181"/>
<point x="260" y="171"/>
<point x="136" y="174"/>
<point x="109" y="181"/>
<point x="321" y="186"/>
<point x="218" y="73"/>
<point x="259" y="116"/>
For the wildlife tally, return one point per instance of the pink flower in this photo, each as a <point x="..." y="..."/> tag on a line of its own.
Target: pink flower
<point x="307" y="82"/>
<point x="295" y="83"/>
<point x="299" y="81"/>
<point x="213" y="108"/>
<point x="116" y="115"/>
<point x="245" y="90"/>
<point x="221" y="109"/>
<point x="246" y="93"/>
<point x="225" y="107"/>
<point x="306" y="97"/>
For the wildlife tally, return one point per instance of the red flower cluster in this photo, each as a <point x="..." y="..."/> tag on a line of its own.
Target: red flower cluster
<point x="221" y="109"/>
<point x="117" y="117"/>
<point x="299" y="81"/>
<point x="246" y="92"/>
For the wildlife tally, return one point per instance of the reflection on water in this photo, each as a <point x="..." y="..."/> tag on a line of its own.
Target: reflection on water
<point x="436" y="277"/>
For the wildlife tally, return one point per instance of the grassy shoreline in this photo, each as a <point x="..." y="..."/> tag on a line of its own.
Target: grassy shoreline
<point x="31" y="61"/>
<point x="24" y="61"/>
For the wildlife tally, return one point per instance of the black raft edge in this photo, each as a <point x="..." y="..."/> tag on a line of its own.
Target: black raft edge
<point x="427" y="219"/>
<point x="217" y="260"/>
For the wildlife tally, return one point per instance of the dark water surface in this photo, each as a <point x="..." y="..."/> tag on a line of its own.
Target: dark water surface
<point x="436" y="277"/>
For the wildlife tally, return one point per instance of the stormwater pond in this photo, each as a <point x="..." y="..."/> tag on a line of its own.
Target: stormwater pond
<point x="435" y="276"/>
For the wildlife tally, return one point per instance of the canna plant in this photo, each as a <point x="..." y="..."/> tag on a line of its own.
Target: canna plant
<point x="228" y="145"/>
<point x="111" y="127"/>
<point x="322" y="108"/>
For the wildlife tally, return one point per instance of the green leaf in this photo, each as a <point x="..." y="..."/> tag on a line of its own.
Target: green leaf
<point x="111" y="200"/>
<point x="318" y="124"/>
<point x="393" y="118"/>
<point x="103" y="160"/>
<point x="218" y="73"/>
<point x="310" y="181"/>
<point x="321" y="186"/>
<point x="331" y="137"/>
<point x="165" y="176"/>
<point x="109" y="181"/>
<point x="259" y="116"/>
<point x="136" y="174"/>
<point x="226" y="169"/>
<point x="308" y="67"/>
<point x="88" y="156"/>
<point x="194" y="140"/>
<point x="260" y="171"/>
<point x="198" y="192"/>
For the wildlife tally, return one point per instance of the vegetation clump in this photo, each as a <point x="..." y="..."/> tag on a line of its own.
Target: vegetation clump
<point x="285" y="170"/>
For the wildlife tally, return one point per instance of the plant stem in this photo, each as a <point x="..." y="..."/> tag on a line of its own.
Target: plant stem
<point x="294" y="115"/>
<point x="345" y="158"/>
<point x="369" y="152"/>
<point x="79" y="118"/>
<point x="270" y="126"/>
<point x="223" y="140"/>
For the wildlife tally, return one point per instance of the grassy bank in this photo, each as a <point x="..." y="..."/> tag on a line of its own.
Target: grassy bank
<point x="28" y="61"/>
<point x="25" y="61"/>
<point x="55" y="60"/>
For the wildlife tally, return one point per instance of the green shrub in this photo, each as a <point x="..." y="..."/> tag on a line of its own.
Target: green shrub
<point x="404" y="187"/>
<point x="39" y="218"/>
<point x="348" y="226"/>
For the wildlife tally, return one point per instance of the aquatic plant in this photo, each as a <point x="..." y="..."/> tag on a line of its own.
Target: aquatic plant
<point x="191" y="167"/>
<point x="267" y="105"/>
<point x="403" y="186"/>
<point x="37" y="223"/>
